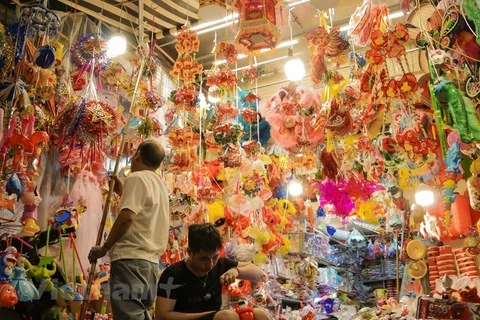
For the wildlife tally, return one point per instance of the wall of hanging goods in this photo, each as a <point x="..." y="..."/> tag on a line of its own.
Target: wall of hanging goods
<point x="332" y="144"/>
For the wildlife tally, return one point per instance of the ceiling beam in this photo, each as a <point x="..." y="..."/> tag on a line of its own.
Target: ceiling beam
<point x="157" y="8"/>
<point x="120" y="12"/>
<point x="98" y="16"/>
<point x="148" y="15"/>
<point x="193" y="3"/>
<point x="181" y="9"/>
<point x="104" y="6"/>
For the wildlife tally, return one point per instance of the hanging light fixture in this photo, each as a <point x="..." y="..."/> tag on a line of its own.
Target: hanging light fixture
<point x="117" y="45"/>
<point x="295" y="188"/>
<point x="424" y="195"/>
<point x="294" y="68"/>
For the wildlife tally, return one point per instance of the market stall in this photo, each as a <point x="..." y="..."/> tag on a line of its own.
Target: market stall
<point x="354" y="185"/>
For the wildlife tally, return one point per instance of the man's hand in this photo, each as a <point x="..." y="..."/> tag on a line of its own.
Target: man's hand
<point x="229" y="277"/>
<point x="96" y="253"/>
<point x="118" y="188"/>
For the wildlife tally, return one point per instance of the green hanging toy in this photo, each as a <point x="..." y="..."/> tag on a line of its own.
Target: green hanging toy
<point x="473" y="13"/>
<point x="457" y="112"/>
<point x="40" y="272"/>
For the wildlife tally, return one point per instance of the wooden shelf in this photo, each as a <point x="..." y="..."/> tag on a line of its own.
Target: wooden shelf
<point x="329" y="265"/>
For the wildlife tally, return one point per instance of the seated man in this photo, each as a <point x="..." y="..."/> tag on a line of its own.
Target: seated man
<point x="192" y="288"/>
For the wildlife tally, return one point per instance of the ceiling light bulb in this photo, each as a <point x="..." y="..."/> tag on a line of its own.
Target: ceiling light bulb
<point x="424" y="195"/>
<point x="295" y="188"/>
<point x="117" y="45"/>
<point x="294" y="68"/>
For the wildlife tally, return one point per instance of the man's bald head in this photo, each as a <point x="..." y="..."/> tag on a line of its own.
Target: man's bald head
<point x="151" y="153"/>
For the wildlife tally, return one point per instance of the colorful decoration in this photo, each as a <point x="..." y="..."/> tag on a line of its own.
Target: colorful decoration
<point x="258" y="31"/>
<point x="296" y="118"/>
<point x="90" y="53"/>
<point x="6" y="52"/>
<point x="24" y="289"/>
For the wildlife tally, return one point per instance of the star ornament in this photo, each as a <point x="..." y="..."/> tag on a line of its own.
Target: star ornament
<point x="99" y="115"/>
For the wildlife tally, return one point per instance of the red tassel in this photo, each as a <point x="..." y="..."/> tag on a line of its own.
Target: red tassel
<point x="330" y="164"/>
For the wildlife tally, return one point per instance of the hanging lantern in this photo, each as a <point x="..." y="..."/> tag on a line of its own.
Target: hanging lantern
<point x="209" y="10"/>
<point x="258" y="32"/>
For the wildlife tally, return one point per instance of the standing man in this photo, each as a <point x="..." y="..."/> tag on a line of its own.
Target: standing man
<point x="192" y="288"/>
<point x="138" y="237"/>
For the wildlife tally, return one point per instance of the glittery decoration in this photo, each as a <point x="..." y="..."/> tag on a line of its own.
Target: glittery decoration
<point x="6" y="52"/>
<point x="87" y="121"/>
<point x="149" y="127"/>
<point x="89" y="49"/>
<point x="150" y="68"/>
<point x="18" y="34"/>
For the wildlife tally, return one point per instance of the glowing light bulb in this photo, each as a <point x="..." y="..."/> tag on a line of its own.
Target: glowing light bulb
<point x="295" y="188"/>
<point x="424" y="195"/>
<point x="117" y="45"/>
<point x="294" y="69"/>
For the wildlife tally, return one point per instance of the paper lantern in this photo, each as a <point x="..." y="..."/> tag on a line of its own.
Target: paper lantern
<point x="209" y="10"/>
<point x="258" y="31"/>
<point x="461" y="220"/>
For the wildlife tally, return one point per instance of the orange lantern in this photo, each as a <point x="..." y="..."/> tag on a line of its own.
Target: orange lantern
<point x="461" y="220"/>
<point x="258" y="31"/>
<point x="209" y="10"/>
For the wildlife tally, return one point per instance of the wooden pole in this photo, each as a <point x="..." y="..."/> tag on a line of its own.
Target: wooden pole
<point x="397" y="266"/>
<point x="108" y="201"/>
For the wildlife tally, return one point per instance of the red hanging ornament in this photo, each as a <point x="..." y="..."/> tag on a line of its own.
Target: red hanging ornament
<point x="258" y="30"/>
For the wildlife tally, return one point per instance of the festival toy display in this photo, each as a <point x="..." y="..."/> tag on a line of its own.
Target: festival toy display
<point x="355" y="189"/>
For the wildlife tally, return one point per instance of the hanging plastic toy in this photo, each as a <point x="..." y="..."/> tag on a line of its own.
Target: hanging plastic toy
<point x="25" y="290"/>
<point x="39" y="19"/>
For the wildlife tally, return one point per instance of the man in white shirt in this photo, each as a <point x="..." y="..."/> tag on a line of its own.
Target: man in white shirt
<point x="138" y="237"/>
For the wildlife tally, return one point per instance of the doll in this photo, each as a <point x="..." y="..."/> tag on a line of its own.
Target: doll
<point x="26" y="291"/>
<point x="8" y="258"/>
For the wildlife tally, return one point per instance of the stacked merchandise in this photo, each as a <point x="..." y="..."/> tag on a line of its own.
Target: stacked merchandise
<point x="466" y="263"/>
<point x="432" y="254"/>
<point x="391" y="286"/>
<point x="384" y="270"/>
<point x="446" y="262"/>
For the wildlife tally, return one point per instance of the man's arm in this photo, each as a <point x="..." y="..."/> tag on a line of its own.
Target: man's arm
<point x="244" y="271"/>
<point x="249" y="271"/>
<point x="120" y="227"/>
<point x="164" y="311"/>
